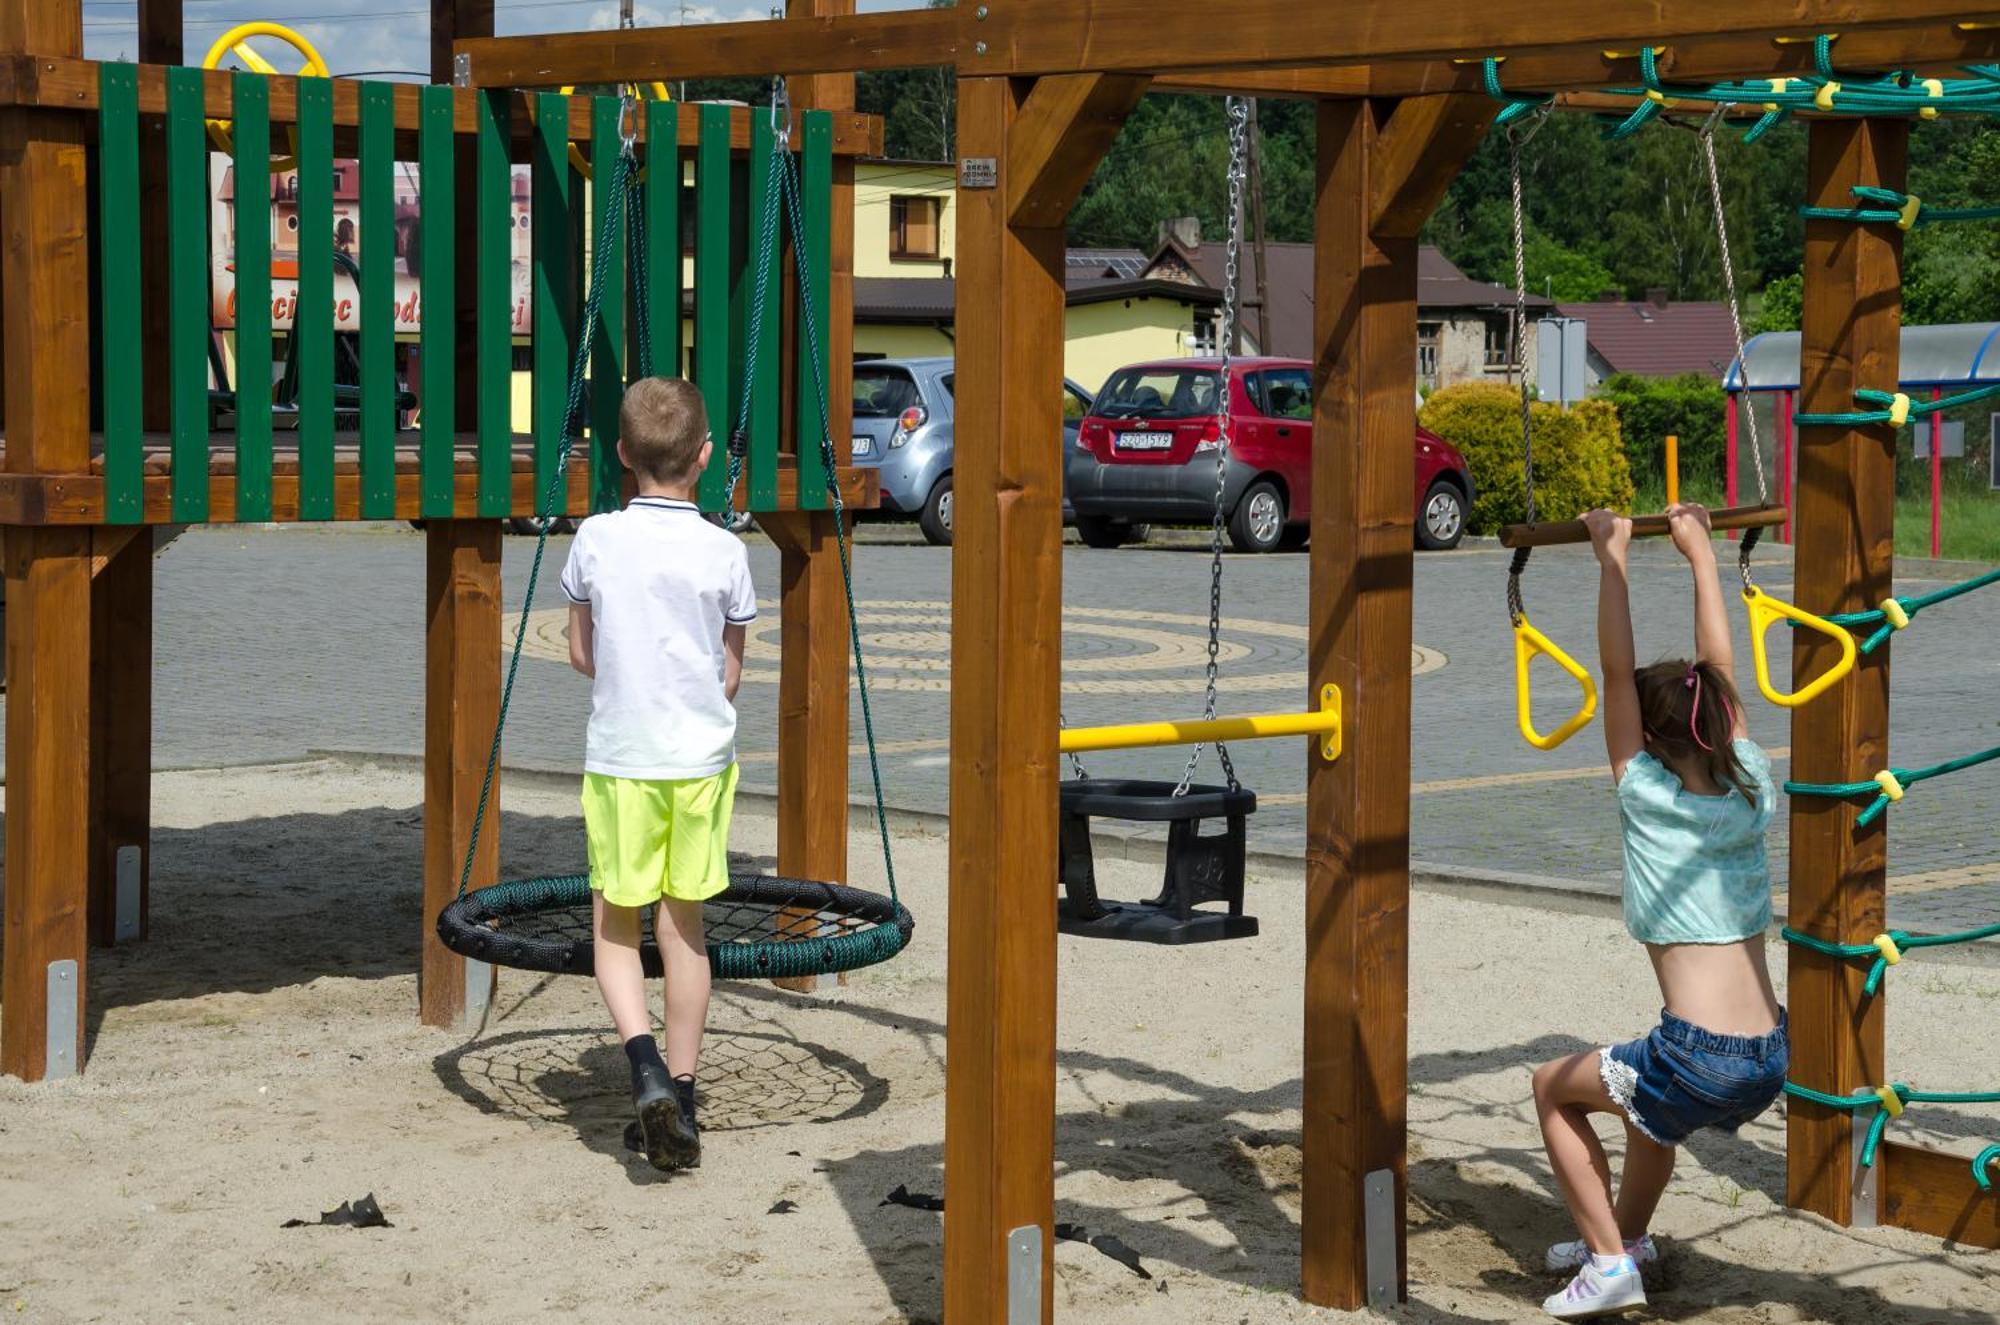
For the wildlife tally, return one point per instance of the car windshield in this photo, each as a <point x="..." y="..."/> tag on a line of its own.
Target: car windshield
<point x="882" y="393"/>
<point x="1157" y="393"/>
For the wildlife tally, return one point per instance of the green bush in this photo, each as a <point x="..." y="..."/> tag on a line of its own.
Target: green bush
<point x="1579" y="461"/>
<point x="1689" y="406"/>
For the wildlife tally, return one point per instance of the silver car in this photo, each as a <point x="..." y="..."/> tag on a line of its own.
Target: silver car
<point x="903" y="427"/>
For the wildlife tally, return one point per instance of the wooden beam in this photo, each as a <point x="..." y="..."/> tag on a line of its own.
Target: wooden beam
<point x="1065" y="127"/>
<point x="1928" y="1191"/>
<point x="1845" y="519"/>
<point x="1006" y="646"/>
<point x="451" y="22"/>
<point x="461" y="710"/>
<point x="1418" y="155"/>
<point x="1555" y="533"/>
<point x="1357" y="808"/>
<point x="162" y="32"/>
<point x="121" y="725"/>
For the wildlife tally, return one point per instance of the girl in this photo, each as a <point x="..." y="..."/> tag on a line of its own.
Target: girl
<point x="1694" y="798"/>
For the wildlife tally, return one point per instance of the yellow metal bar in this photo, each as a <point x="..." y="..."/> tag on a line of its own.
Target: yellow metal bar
<point x="1323" y="723"/>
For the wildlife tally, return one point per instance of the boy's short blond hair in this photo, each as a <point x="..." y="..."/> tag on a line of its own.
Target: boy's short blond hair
<point x="664" y="425"/>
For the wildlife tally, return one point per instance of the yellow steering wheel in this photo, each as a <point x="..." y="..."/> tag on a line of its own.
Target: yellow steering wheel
<point x="236" y="41"/>
<point x="632" y="90"/>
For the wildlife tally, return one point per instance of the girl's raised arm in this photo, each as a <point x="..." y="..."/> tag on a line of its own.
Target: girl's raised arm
<point x="1688" y="523"/>
<point x="1624" y="736"/>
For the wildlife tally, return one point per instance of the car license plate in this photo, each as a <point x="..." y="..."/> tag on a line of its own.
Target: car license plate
<point x="1145" y="441"/>
<point x="864" y="444"/>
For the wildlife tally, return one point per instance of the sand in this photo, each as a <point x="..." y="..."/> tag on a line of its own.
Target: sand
<point x="259" y="1059"/>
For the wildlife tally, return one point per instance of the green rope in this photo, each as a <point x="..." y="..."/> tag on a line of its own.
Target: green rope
<point x="1903" y="939"/>
<point x="1907" y="777"/>
<point x="1906" y="1096"/>
<point x="1917" y="408"/>
<point x="1911" y="605"/>
<point x="1982" y="1164"/>
<point x="1895" y="205"/>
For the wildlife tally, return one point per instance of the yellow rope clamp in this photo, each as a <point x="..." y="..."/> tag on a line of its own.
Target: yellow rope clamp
<point x="236" y="41"/>
<point x="1654" y="94"/>
<point x="1887" y="947"/>
<point x="1528" y="642"/>
<point x="1765" y="612"/>
<point x="1899" y="404"/>
<point x="1824" y="97"/>
<point x="1935" y="87"/>
<point x="1907" y="218"/>
<point x="1891" y="1101"/>
<point x="1891" y="786"/>
<point x="1893" y="613"/>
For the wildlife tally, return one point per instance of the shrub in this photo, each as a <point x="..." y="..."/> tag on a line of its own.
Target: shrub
<point x="1579" y="462"/>
<point x="1689" y="406"/>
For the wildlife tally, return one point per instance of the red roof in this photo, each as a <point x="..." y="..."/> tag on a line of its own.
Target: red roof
<point x="1658" y="339"/>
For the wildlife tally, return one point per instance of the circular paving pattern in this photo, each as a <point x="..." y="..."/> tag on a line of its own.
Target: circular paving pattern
<point x="907" y="645"/>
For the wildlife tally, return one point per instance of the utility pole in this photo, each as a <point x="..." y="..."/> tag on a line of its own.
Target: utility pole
<point x="1257" y="235"/>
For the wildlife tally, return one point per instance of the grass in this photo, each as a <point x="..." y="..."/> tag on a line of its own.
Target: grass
<point x="1969" y="522"/>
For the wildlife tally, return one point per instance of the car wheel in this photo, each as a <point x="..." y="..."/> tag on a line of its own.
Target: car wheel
<point x="1096" y="531"/>
<point x="1441" y="522"/>
<point x="935" y="518"/>
<point x="1258" y="524"/>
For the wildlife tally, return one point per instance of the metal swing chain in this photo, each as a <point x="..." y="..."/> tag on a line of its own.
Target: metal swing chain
<point x="1238" y="111"/>
<point x="1519" y="133"/>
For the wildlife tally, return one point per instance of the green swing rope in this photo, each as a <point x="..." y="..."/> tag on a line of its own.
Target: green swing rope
<point x="1904" y="777"/>
<point x="1911" y="605"/>
<point x="1901" y="940"/>
<point x="1911" y="409"/>
<point x="1904" y="1095"/>
<point x="1896" y="210"/>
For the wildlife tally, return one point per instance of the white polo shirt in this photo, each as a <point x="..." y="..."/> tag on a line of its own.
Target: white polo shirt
<point x="661" y="582"/>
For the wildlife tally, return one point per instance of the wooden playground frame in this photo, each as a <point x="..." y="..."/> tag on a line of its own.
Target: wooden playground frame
<point x="1043" y="88"/>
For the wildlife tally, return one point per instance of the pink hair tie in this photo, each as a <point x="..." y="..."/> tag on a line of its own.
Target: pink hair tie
<point x="1693" y="682"/>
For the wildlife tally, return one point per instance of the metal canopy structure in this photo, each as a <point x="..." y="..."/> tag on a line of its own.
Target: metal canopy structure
<point x="1957" y="354"/>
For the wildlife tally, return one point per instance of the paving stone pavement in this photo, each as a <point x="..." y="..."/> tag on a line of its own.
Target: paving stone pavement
<point x="274" y="643"/>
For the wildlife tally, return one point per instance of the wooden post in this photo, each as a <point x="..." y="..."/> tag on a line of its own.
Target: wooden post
<point x="461" y="707"/>
<point x="450" y="20"/>
<point x="1846" y="525"/>
<point x="121" y="732"/>
<point x="44" y="270"/>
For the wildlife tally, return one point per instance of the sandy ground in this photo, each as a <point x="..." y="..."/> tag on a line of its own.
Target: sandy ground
<point x="260" y="1059"/>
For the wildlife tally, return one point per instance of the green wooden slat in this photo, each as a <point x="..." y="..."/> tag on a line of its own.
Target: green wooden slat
<point x="816" y="195"/>
<point x="122" y="386"/>
<point x="378" y="302"/>
<point x="437" y="185"/>
<point x="607" y="347"/>
<point x="495" y="317"/>
<point x="554" y="284"/>
<point x="251" y="139"/>
<point x="312" y="321"/>
<point x="663" y="236"/>
<point x="712" y="187"/>
<point x="762" y="425"/>
<point x="187" y="291"/>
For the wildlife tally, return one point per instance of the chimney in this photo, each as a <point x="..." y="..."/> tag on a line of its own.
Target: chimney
<point x="1656" y="295"/>
<point x="1183" y="230"/>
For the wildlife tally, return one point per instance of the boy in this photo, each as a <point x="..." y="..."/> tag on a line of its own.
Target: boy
<point x="659" y="602"/>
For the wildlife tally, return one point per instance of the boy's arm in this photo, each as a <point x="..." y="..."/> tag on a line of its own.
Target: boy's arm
<point x="733" y="636"/>
<point x="1690" y="528"/>
<point x="582" y="643"/>
<point x="1624" y="736"/>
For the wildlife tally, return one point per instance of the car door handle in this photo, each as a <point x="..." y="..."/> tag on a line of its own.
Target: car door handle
<point x="1284" y="432"/>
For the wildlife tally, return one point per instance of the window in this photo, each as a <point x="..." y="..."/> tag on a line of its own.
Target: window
<point x="913" y="229"/>
<point x="1497" y="344"/>
<point x="1202" y="340"/>
<point x="1158" y="393"/>
<point x="1075" y="405"/>
<point x="1427" y="352"/>
<point x="882" y="393"/>
<point x="1286" y="394"/>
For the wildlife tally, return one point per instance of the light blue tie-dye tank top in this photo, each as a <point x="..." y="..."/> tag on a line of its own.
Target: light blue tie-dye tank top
<point x="1695" y="870"/>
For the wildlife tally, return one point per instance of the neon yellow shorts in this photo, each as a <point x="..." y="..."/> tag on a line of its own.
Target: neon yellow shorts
<point x="650" y="840"/>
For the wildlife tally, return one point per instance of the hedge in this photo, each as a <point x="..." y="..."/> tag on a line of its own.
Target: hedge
<point x="1689" y="406"/>
<point x="1579" y="458"/>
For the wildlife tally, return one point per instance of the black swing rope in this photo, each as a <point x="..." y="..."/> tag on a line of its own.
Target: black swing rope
<point x="762" y="926"/>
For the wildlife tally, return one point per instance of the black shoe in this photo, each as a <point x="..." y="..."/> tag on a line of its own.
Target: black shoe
<point x="684" y="1091"/>
<point x="666" y="1135"/>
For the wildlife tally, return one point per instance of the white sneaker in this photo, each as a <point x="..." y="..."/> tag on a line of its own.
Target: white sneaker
<point x="1595" y="1293"/>
<point x="1565" y="1257"/>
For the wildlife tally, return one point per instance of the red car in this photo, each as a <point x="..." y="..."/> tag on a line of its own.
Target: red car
<point x="1147" y="453"/>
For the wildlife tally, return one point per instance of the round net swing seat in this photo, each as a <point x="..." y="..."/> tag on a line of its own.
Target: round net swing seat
<point x="762" y="927"/>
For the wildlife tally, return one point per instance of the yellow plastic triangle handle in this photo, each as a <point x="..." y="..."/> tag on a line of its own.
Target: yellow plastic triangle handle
<point x="1529" y="642"/>
<point x="1765" y="612"/>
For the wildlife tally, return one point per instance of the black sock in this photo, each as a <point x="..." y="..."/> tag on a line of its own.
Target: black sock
<point x="644" y="1053"/>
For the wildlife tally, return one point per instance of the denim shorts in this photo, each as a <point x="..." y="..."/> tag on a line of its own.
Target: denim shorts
<point x="1681" y="1078"/>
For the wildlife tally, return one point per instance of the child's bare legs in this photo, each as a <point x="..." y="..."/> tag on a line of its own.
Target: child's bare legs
<point x="614" y="931"/>
<point x="684" y="952"/>
<point x="1567" y="1092"/>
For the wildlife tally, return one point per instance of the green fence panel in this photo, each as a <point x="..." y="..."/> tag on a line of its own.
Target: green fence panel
<point x="663" y="238"/>
<point x="187" y="291"/>
<point x="607" y="346"/>
<point x="815" y="284"/>
<point x="437" y="298"/>
<point x="712" y="189"/>
<point x="378" y="302"/>
<point x="554" y="286"/>
<point x="121" y="353"/>
<point x="251" y="140"/>
<point x="762" y="425"/>
<point x="495" y="317"/>
<point x="312" y="319"/>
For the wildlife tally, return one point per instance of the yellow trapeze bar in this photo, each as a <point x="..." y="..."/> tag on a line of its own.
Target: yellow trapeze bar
<point x="1325" y="724"/>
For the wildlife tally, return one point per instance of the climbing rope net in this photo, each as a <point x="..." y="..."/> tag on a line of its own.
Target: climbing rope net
<point x="1825" y="92"/>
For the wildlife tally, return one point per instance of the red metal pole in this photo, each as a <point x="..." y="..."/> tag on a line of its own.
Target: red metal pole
<point x="1729" y="451"/>
<point x="1937" y="476"/>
